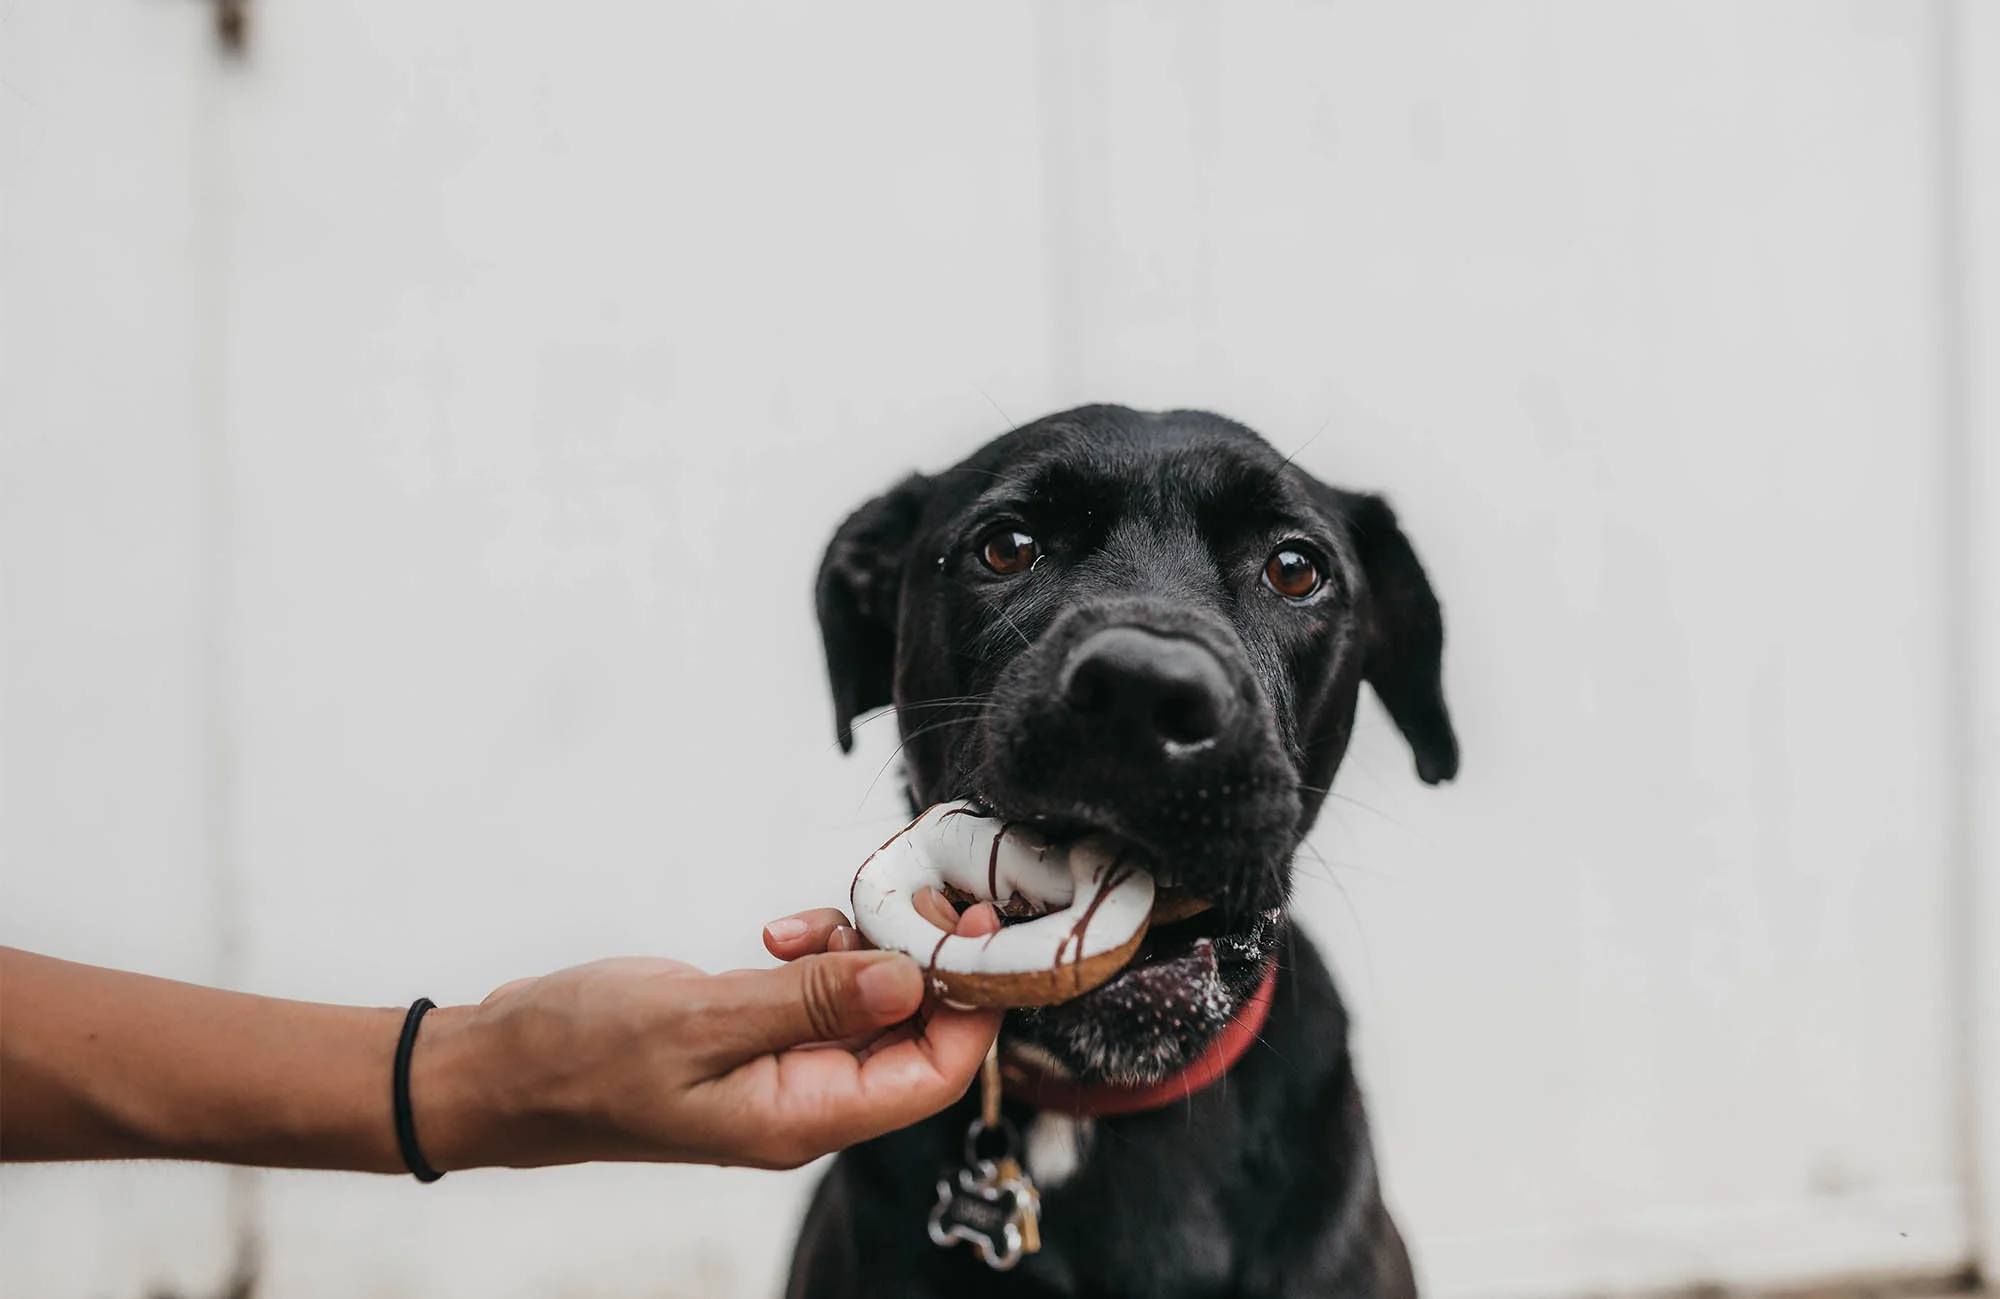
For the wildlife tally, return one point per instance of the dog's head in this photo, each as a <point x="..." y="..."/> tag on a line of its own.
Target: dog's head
<point x="1151" y="625"/>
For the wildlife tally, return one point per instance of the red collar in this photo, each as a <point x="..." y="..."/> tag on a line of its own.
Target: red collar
<point x="1045" y="1091"/>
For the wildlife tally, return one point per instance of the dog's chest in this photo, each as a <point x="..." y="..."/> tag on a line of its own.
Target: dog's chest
<point x="1125" y="1218"/>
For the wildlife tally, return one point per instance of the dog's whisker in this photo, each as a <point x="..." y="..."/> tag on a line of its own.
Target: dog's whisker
<point x="970" y="701"/>
<point x="1323" y="425"/>
<point x="872" y="718"/>
<point x="1354" y="914"/>
<point x="1264" y="1041"/>
<point x="1009" y="620"/>
<point x="1352" y="801"/>
<point x="1009" y="419"/>
<point x="1337" y="863"/>
<point x="1325" y="870"/>
<point x="904" y="743"/>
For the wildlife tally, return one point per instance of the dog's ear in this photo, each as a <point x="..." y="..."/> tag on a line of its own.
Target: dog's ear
<point x="860" y="584"/>
<point x="1404" y="658"/>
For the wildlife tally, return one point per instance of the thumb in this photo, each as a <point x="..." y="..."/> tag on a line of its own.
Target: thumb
<point x="820" y="998"/>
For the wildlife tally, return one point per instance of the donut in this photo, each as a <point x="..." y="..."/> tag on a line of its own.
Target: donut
<point x="1171" y="904"/>
<point x="1080" y="909"/>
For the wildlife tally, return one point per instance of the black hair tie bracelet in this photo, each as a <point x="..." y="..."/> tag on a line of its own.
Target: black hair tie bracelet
<point x="406" y="1126"/>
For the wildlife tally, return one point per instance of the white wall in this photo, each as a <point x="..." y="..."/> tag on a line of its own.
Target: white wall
<point x="419" y="441"/>
<point x="106" y="761"/>
<point x="1972" y="286"/>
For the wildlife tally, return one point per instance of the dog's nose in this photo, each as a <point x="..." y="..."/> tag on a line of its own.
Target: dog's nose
<point x="1158" y="688"/>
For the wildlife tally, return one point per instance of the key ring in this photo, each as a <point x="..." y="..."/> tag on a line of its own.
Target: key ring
<point x="979" y="1128"/>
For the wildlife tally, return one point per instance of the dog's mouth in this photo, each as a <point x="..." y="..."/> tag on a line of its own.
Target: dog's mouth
<point x="1187" y="923"/>
<point x="1205" y="931"/>
<point x="1183" y="960"/>
<point x="1201" y="958"/>
<point x="1158" y="1015"/>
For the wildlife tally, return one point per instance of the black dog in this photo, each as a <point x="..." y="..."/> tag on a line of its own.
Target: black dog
<point x="1156" y="626"/>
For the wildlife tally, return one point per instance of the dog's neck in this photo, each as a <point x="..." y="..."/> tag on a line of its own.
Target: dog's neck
<point x="1031" y="1081"/>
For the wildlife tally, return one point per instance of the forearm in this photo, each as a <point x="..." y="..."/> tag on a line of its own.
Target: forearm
<point x="98" y="1064"/>
<point x="630" y="1058"/>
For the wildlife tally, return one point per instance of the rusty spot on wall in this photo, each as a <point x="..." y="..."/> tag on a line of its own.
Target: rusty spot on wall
<point x="232" y="25"/>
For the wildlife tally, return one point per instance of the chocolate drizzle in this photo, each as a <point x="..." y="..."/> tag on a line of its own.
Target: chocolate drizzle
<point x="930" y="966"/>
<point x="877" y="853"/>
<point x="893" y="873"/>
<point x="1113" y="877"/>
<point x="993" y="863"/>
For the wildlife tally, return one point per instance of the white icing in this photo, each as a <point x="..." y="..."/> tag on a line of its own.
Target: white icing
<point x="951" y="844"/>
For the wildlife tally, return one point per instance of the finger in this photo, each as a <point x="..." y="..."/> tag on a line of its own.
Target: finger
<point x="931" y="1069"/>
<point x="934" y="906"/>
<point x="978" y="921"/>
<point x="825" y="929"/>
<point x="812" y="1102"/>
<point x="826" y="997"/>
<point x="791" y="937"/>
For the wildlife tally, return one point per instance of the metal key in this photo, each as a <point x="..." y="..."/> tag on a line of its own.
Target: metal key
<point x="1015" y="1179"/>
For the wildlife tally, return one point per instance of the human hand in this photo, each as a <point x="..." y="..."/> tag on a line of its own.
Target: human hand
<point x="640" y="1058"/>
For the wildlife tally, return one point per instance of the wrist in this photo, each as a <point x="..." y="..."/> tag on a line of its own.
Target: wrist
<point x="456" y="1103"/>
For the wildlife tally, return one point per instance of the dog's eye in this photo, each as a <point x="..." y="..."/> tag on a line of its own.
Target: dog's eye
<point x="1008" y="551"/>
<point x="1291" y="573"/>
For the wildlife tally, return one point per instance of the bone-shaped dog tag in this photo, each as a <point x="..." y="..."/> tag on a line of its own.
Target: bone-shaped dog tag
<point x="995" y="1213"/>
<point x="991" y="1203"/>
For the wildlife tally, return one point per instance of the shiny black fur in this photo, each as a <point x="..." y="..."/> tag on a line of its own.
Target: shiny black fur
<point x="1265" y="1183"/>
